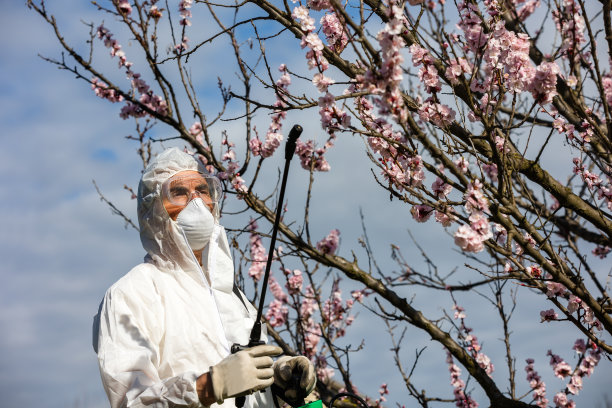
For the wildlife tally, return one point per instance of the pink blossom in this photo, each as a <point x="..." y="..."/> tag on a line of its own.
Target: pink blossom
<point x="459" y="312"/>
<point x="440" y="188"/>
<point x="561" y="401"/>
<point x="277" y="290"/>
<point x="238" y="185"/>
<point x="485" y="363"/>
<point x="475" y="201"/>
<point x="555" y="289"/>
<point x="544" y="84"/>
<point x="185" y="12"/>
<point x="601" y="251"/>
<point x="471" y="25"/>
<point x="300" y="13"/>
<point x="574" y="303"/>
<point x="155" y="13"/>
<point x="560" y="367"/>
<point x="102" y="90"/>
<point x="456" y="68"/>
<point x="534" y="271"/>
<point x="570" y="24"/>
<point x="509" y="52"/>
<point x="255" y="146"/>
<point x="359" y="294"/>
<point x="315" y="55"/>
<point x="319" y="4"/>
<point x="428" y="74"/>
<point x="274" y="135"/>
<point x="528" y="9"/>
<point x="439" y="114"/>
<point x="575" y="384"/>
<point x="421" y="213"/>
<point x="468" y="239"/>
<point x="124" y="7"/>
<point x="294" y="282"/>
<point x="536" y="384"/>
<point x="548" y="315"/>
<point x="405" y="170"/>
<point x="384" y="390"/>
<point x="183" y="45"/>
<point x="329" y="244"/>
<point x="332" y="117"/>
<point x="333" y="28"/>
<point x="580" y="346"/>
<point x="445" y="218"/>
<point x="491" y="171"/>
<point x="257" y="252"/>
<point x="462" y="399"/>
<point x="462" y="164"/>
<point x="322" y="82"/>
<point x="501" y="234"/>
<point x="277" y="313"/>
<point x="500" y="144"/>
<point x="311" y="157"/>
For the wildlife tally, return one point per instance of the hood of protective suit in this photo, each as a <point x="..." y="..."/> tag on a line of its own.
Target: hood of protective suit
<point x="163" y="238"/>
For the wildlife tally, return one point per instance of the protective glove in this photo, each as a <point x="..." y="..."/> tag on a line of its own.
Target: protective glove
<point x="285" y="367"/>
<point x="244" y="372"/>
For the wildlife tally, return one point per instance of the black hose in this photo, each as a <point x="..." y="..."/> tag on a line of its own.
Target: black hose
<point x="350" y="395"/>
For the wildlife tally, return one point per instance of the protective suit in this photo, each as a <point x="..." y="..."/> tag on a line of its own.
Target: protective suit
<point x="168" y="320"/>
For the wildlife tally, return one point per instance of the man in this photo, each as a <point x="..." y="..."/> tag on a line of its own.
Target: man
<point x="164" y="330"/>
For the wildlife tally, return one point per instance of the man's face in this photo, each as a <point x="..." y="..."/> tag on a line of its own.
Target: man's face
<point x="181" y="188"/>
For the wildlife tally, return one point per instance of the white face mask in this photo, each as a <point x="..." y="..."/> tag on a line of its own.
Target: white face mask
<point x="197" y="223"/>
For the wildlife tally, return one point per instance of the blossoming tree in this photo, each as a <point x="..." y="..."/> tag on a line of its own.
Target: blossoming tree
<point x="457" y="102"/>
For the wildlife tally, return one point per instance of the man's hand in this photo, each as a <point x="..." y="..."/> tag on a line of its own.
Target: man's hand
<point x="244" y="372"/>
<point x="285" y="367"/>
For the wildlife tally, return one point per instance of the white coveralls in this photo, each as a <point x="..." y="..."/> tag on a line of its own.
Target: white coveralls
<point x="168" y="320"/>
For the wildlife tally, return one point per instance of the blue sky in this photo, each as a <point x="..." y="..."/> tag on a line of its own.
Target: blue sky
<point x="61" y="247"/>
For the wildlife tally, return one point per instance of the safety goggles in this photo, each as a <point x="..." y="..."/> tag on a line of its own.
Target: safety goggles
<point x="187" y="185"/>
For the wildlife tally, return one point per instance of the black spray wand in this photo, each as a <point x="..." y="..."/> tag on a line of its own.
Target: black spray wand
<point x="295" y="132"/>
<point x="255" y="337"/>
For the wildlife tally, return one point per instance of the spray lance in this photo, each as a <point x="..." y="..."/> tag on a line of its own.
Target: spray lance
<point x="255" y="336"/>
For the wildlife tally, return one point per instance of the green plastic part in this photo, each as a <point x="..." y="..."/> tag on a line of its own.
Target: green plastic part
<point x="313" y="404"/>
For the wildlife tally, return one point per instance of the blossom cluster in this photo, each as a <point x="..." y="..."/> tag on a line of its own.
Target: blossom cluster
<point x="400" y="167"/>
<point x="277" y="312"/>
<point x="310" y="39"/>
<point x="329" y="244"/>
<point x="471" y="343"/>
<point x="589" y="356"/>
<point x="386" y="80"/>
<point x="536" y="384"/>
<point x="311" y="157"/>
<point x="505" y="58"/>
<point x="231" y="167"/>
<point x="594" y="183"/>
<point x="574" y="305"/>
<point x="471" y="237"/>
<point x="571" y="25"/>
<point x="274" y="135"/>
<point x="335" y="313"/>
<point x="185" y="12"/>
<point x="311" y="330"/>
<point x="147" y="98"/>
<point x="462" y="399"/>
<point x="257" y="252"/>
<point x="334" y="31"/>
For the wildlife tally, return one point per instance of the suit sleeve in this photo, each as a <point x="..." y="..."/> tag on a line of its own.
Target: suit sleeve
<point x="129" y="334"/>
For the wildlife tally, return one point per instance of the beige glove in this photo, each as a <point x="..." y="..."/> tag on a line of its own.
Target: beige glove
<point x="244" y="372"/>
<point x="284" y="368"/>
